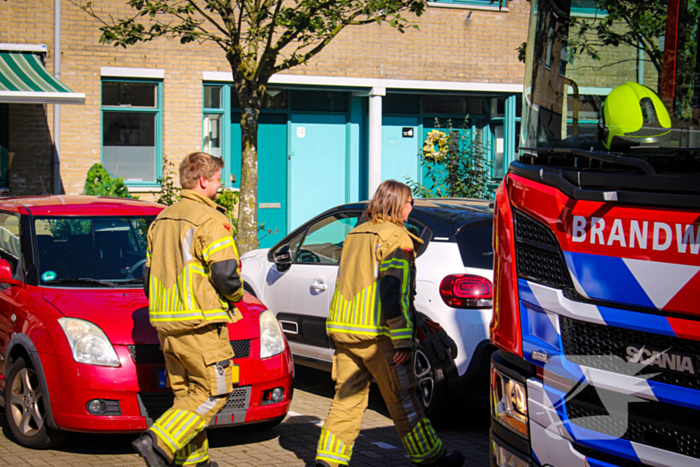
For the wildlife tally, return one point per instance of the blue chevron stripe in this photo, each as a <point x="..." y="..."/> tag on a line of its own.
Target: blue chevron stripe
<point x="606" y="278"/>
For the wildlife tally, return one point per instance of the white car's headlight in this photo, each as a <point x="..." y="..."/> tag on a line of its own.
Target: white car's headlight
<point x="271" y="337"/>
<point x="88" y="343"/>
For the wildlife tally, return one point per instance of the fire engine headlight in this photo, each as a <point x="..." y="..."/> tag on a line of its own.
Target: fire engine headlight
<point x="502" y="457"/>
<point x="271" y="337"/>
<point x="509" y="403"/>
<point x="88" y="343"/>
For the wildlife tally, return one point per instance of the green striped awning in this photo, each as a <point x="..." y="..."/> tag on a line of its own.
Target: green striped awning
<point x="23" y="79"/>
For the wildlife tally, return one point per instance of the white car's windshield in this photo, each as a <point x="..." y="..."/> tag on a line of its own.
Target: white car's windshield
<point x="475" y="244"/>
<point x="91" y="251"/>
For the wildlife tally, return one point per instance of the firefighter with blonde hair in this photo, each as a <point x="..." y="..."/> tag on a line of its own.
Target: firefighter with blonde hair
<point x="192" y="277"/>
<point x="372" y="322"/>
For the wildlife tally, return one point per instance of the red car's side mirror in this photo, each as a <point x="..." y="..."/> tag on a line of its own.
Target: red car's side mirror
<point x="6" y="273"/>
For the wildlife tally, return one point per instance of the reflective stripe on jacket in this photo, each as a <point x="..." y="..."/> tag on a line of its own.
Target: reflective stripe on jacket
<point x="193" y="265"/>
<point x="375" y="288"/>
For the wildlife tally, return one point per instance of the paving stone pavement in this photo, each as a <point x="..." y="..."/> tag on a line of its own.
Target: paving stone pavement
<point x="292" y="443"/>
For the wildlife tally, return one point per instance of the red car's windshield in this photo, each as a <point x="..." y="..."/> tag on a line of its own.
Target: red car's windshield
<point x="78" y="250"/>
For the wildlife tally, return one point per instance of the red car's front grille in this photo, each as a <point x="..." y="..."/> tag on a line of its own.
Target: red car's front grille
<point x="154" y="404"/>
<point x="152" y="355"/>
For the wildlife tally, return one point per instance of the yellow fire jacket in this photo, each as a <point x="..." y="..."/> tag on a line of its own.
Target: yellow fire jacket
<point x="192" y="270"/>
<point x="375" y="287"/>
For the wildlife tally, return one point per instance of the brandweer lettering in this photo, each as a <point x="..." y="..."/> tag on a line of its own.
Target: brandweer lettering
<point x="635" y="234"/>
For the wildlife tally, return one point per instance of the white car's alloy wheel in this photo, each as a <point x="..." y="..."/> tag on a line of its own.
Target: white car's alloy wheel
<point x="425" y="377"/>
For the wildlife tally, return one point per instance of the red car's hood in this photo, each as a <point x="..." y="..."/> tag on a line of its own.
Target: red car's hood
<point x="123" y="313"/>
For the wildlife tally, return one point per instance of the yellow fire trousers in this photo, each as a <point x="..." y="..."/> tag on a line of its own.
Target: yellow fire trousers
<point x="199" y="369"/>
<point x="354" y="366"/>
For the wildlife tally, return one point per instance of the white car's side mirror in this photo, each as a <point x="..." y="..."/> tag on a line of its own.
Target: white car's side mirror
<point x="283" y="258"/>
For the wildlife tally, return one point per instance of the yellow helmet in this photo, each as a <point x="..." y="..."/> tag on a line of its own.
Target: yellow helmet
<point x="631" y="115"/>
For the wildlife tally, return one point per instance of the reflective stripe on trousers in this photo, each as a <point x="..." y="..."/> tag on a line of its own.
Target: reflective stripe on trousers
<point x="175" y="428"/>
<point x="422" y="442"/>
<point x="332" y="450"/>
<point x="195" y="452"/>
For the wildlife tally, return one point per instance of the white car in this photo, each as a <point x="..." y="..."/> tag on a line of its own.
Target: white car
<point x="454" y="274"/>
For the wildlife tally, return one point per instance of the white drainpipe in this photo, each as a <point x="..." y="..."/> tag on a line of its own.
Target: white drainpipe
<point x="57" y="107"/>
<point x="375" y="139"/>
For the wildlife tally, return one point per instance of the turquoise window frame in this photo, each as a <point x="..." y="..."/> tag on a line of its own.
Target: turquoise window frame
<point x="4" y="142"/>
<point x="508" y="121"/>
<point x="588" y="12"/>
<point x="157" y="110"/>
<point x="225" y="112"/>
<point x="485" y="4"/>
<point x="476" y="123"/>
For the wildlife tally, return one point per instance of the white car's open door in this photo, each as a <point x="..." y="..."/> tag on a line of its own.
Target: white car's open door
<point x="301" y="295"/>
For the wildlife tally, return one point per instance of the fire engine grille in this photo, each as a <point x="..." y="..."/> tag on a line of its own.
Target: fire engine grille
<point x="586" y="339"/>
<point x="154" y="404"/>
<point x="605" y="457"/>
<point x="664" y="426"/>
<point x="537" y="253"/>
<point x="152" y="355"/>
<point x="527" y="228"/>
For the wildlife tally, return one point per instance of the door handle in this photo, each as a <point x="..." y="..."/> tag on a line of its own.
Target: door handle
<point x="318" y="286"/>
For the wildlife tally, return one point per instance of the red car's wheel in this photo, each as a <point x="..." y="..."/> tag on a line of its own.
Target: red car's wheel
<point x="25" y="410"/>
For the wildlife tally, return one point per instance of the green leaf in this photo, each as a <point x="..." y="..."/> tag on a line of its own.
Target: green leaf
<point x="99" y="182"/>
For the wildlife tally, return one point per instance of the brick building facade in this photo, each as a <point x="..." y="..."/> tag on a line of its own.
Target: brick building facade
<point x="461" y="51"/>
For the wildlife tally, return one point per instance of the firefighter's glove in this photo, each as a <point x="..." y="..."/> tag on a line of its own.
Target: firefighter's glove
<point x="434" y="348"/>
<point x="448" y="342"/>
<point x="438" y="346"/>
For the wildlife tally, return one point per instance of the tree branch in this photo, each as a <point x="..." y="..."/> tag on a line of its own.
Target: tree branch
<point x="294" y="61"/>
<point x="87" y="8"/>
<point x="290" y="35"/>
<point x="267" y="55"/>
<point x="207" y="17"/>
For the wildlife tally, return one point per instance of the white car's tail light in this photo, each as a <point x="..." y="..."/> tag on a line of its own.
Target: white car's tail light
<point x="466" y="291"/>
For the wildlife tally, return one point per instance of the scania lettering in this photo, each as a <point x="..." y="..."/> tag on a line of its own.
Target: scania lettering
<point x="597" y="242"/>
<point x="661" y="359"/>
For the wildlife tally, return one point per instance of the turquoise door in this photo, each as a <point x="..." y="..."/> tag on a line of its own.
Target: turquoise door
<point x="272" y="177"/>
<point x="317" y="165"/>
<point x="272" y="172"/>
<point x="400" y="149"/>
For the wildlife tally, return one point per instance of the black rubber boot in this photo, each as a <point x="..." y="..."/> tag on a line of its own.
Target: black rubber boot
<point x="451" y="459"/>
<point x="144" y="446"/>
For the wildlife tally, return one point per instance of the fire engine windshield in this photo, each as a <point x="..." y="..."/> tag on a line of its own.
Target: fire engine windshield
<point x="613" y="78"/>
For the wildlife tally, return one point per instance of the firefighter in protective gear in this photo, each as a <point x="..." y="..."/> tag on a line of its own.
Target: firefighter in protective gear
<point x="191" y="276"/>
<point x="372" y="323"/>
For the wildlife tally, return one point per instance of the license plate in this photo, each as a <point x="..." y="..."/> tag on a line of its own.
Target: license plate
<point x="161" y="378"/>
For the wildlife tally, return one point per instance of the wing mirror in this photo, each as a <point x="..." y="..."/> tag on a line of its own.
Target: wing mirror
<point x="6" y="273"/>
<point x="283" y="258"/>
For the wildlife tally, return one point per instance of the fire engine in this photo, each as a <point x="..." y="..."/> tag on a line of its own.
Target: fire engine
<point x="597" y="242"/>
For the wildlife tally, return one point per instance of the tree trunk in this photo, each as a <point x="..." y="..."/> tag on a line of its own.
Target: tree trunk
<point x="250" y="96"/>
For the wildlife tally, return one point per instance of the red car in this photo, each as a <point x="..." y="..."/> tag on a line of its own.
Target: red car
<point x="77" y="352"/>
